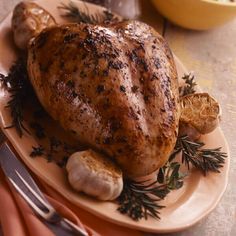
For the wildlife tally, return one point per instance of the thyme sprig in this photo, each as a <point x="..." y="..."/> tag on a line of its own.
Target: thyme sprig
<point x="73" y="13"/>
<point x="17" y="84"/>
<point x="189" y="85"/>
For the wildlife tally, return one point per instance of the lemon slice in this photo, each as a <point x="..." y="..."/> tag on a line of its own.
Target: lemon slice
<point x="200" y="111"/>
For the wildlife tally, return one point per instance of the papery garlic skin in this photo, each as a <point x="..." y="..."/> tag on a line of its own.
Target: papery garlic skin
<point x="28" y="20"/>
<point x="95" y="175"/>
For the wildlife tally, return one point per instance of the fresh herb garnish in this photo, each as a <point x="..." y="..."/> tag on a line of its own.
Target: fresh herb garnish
<point x="170" y="174"/>
<point x="17" y="84"/>
<point x="63" y="161"/>
<point x="189" y="86"/>
<point x="37" y="151"/>
<point x="55" y="148"/>
<point x="140" y="200"/>
<point x="39" y="113"/>
<point x="73" y="13"/>
<point x="38" y="130"/>
<point x="193" y="154"/>
<point x="55" y="143"/>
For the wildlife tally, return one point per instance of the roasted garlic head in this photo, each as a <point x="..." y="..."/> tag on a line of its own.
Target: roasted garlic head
<point x="95" y="175"/>
<point x="200" y="114"/>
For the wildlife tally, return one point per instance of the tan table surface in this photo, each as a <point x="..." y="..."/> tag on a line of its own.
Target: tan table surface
<point x="211" y="55"/>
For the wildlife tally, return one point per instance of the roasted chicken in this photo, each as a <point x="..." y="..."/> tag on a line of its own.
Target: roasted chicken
<point x="114" y="87"/>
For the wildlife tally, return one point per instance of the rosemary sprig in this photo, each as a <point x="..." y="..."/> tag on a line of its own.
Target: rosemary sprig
<point x="136" y="202"/>
<point x="73" y="13"/>
<point x="55" y="148"/>
<point x="170" y="174"/>
<point x="17" y="84"/>
<point x="139" y="200"/>
<point x="37" y="151"/>
<point x="63" y="161"/>
<point x="193" y="154"/>
<point x="38" y="130"/>
<point x="189" y="86"/>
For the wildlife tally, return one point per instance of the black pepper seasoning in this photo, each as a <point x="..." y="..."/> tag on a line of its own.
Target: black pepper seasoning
<point x="122" y="89"/>
<point x="100" y="88"/>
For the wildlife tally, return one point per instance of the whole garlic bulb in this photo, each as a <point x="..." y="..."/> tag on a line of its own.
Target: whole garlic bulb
<point x="95" y="175"/>
<point x="28" y="20"/>
<point x="200" y="114"/>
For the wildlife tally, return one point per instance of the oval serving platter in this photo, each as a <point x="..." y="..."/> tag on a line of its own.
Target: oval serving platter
<point x="184" y="207"/>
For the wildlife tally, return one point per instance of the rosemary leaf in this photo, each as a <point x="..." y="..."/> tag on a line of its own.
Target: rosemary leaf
<point x="17" y="84"/>
<point x="38" y="130"/>
<point x="136" y="203"/>
<point x="72" y="12"/>
<point x="37" y="151"/>
<point x="193" y="154"/>
<point x="140" y="199"/>
<point x="189" y="86"/>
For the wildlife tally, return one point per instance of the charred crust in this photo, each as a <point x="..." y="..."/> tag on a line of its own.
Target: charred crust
<point x="100" y="88"/>
<point x="70" y="37"/>
<point x="70" y="83"/>
<point x="42" y="39"/>
<point x="122" y="139"/>
<point x="157" y="63"/>
<point x="114" y="124"/>
<point x="107" y="140"/>
<point x="122" y="88"/>
<point x="132" y="114"/>
<point x="117" y="65"/>
<point x="134" y="88"/>
<point x="146" y="98"/>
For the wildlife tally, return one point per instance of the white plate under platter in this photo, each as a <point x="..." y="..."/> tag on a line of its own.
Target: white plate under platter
<point x="184" y="207"/>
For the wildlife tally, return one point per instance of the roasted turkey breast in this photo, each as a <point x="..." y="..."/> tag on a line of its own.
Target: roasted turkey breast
<point x="115" y="87"/>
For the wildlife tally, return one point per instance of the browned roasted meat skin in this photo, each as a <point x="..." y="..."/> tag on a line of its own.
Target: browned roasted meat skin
<point x="115" y="87"/>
